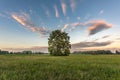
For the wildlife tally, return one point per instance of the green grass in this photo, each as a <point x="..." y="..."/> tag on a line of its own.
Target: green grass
<point x="73" y="67"/>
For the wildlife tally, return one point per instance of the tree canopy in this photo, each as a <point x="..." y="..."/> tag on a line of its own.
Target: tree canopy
<point x="58" y="43"/>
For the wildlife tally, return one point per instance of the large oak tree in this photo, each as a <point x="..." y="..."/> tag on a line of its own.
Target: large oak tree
<point x="58" y="43"/>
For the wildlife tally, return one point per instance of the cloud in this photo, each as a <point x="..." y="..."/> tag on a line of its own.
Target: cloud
<point x="94" y="26"/>
<point x="47" y="13"/>
<point x="2" y="15"/>
<point x="73" y="4"/>
<point x="101" y="12"/>
<point x="25" y="20"/>
<point x="30" y="11"/>
<point x="68" y="18"/>
<point x="65" y="27"/>
<point x="98" y="26"/>
<point x="63" y="5"/>
<point x="117" y="38"/>
<point x="95" y="40"/>
<point x="5" y="15"/>
<point x="42" y="30"/>
<point x="81" y="45"/>
<point x="91" y="44"/>
<point x="87" y="16"/>
<point x="76" y="24"/>
<point x="34" y="49"/>
<point x="56" y="11"/>
<point x="105" y="36"/>
<point x="78" y="18"/>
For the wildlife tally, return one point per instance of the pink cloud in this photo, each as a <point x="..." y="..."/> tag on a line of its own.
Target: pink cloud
<point x="65" y="27"/>
<point x="25" y="20"/>
<point x="73" y="4"/>
<point x="33" y="48"/>
<point x="98" y="26"/>
<point x="95" y="26"/>
<point x="56" y="11"/>
<point x="63" y="5"/>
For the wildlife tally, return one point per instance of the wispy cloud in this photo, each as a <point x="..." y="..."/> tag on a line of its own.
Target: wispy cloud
<point x="105" y="36"/>
<point x="65" y="27"/>
<point x="73" y="5"/>
<point x="91" y="44"/>
<point x="2" y="15"/>
<point x="101" y="12"/>
<point x="25" y="20"/>
<point x="22" y="19"/>
<point x="34" y="49"/>
<point x="68" y="18"/>
<point x="87" y="16"/>
<point x="102" y="38"/>
<point x="76" y="24"/>
<point x="98" y="26"/>
<point x="95" y="26"/>
<point x="78" y="18"/>
<point x="31" y="11"/>
<point x="47" y="12"/>
<point x="5" y="15"/>
<point x="117" y="38"/>
<point x="95" y="40"/>
<point x="56" y="11"/>
<point x="63" y="5"/>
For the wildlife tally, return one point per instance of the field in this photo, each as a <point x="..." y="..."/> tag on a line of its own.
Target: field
<point x="73" y="67"/>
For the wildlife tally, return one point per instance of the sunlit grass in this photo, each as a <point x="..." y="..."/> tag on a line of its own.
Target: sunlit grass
<point x="73" y="67"/>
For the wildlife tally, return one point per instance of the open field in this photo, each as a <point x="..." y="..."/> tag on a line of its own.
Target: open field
<point x="73" y="67"/>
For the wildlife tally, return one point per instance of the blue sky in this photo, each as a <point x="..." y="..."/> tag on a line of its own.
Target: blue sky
<point x="26" y="24"/>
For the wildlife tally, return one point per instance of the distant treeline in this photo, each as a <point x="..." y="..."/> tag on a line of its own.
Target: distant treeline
<point x="75" y="52"/>
<point x="96" y="52"/>
<point x="23" y="52"/>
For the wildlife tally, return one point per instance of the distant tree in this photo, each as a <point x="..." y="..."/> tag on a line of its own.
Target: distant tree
<point x="4" y="52"/>
<point x="93" y="52"/>
<point x="59" y="44"/>
<point x="117" y="52"/>
<point x="27" y="52"/>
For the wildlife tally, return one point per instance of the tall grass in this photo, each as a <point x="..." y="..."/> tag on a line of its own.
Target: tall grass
<point x="73" y="67"/>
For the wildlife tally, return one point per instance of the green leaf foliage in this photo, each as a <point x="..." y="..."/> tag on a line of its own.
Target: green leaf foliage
<point x="59" y="44"/>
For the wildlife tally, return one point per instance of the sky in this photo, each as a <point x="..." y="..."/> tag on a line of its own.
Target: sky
<point x="91" y="24"/>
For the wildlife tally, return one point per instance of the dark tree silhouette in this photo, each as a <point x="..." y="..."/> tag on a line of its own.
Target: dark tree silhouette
<point x="117" y="52"/>
<point x="59" y="44"/>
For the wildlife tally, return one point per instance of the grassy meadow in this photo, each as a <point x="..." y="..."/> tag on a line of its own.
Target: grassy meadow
<point x="73" y="67"/>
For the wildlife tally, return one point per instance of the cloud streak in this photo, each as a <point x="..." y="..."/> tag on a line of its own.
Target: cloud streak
<point x="25" y="20"/>
<point x="56" y="11"/>
<point x="105" y="36"/>
<point x="47" y="13"/>
<point x="65" y="27"/>
<point x="73" y="4"/>
<point x="91" y="44"/>
<point x="63" y="5"/>
<point x="94" y="26"/>
<point x="34" y="49"/>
